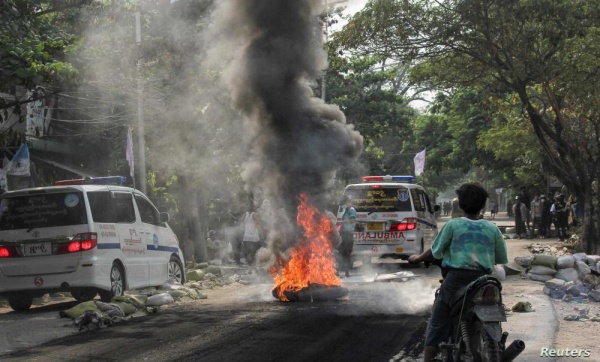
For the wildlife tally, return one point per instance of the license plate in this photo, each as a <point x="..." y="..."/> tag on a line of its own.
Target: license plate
<point x="399" y="250"/>
<point x="37" y="249"/>
<point x="375" y="226"/>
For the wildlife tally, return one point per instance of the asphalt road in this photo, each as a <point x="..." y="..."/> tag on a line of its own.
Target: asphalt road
<point x="378" y="321"/>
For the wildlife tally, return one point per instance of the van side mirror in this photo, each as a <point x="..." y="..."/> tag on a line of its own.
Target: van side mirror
<point x="436" y="208"/>
<point x="164" y="217"/>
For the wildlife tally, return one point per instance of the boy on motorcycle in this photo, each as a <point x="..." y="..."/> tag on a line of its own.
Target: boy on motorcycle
<point x="469" y="248"/>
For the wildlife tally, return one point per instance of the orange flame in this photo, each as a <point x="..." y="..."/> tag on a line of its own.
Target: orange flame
<point x="312" y="258"/>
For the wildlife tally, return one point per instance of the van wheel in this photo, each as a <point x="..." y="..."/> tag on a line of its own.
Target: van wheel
<point x="117" y="283"/>
<point x="83" y="295"/>
<point x="175" y="271"/>
<point x="20" y="302"/>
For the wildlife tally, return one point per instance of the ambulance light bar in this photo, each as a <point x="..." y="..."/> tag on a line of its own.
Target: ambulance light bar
<point x="389" y="178"/>
<point x="109" y="180"/>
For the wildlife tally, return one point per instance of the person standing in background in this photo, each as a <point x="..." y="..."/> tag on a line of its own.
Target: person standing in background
<point x="536" y="214"/>
<point x="251" y="239"/>
<point x="559" y="213"/>
<point x="546" y="217"/>
<point x="348" y="222"/>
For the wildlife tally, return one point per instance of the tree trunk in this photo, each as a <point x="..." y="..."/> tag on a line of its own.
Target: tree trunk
<point x="199" y="222"/>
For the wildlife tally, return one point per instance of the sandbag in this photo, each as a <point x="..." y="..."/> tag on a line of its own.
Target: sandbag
<point x="583" y="269"/>
<point x="564" y="262"/>
<point x="137" y="300"/>
<point x="194" y="275"/>
<point x="545" y="260"/>
<point x="159" y="299"/>
<point x="110" y="309"/>
<point x="213" y="270"/>
<point x="555" y="283"/>
<point x="540" y="277"/>
<point x="567" y="274"/>
<point x="524" y="261"/>
<point x="176" y="294"/>
<point x="79" y="309"/>
<point x="126" y="307"/>
<point x="541" y="269"/>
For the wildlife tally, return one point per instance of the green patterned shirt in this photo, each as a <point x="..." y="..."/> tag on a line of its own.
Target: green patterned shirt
<point x="470" y="244"/>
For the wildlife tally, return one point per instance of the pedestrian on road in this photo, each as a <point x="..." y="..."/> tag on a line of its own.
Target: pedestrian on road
<point x="469" y="248"/>
<point x="251" y="240"/>
<point x="536" y="214"/>
<point x="518" y="210"/>
<point x="346" y="232"/>
<point x="559" y="213"/>
<point x="546" y="217"/>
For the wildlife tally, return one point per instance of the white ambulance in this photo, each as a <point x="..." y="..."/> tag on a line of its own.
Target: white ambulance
<point x="395" y="217"/>
<point x="85" y="236"/>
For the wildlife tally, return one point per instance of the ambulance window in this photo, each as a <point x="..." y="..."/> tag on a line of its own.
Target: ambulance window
<point x="35" y="210"/>
<point x="101" y="205"/>
<point x="419" y="200"/>
<point x="379" y="199"/>
<point x="148" y="212"/>
<point x="123" y="203"/>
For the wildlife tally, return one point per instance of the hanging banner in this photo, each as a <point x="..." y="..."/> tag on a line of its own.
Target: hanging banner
<point x="419" y="162"/>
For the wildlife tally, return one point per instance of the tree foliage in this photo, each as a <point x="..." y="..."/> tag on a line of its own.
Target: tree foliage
<point x="33" y="47"/>
<point x="544" y="52"/>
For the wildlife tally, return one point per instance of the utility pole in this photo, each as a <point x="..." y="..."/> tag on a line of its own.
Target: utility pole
<point x="324" y="40"/>
<point x="140" y="110"/>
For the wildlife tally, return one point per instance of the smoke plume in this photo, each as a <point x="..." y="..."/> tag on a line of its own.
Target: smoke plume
<point x="297" y="142"/>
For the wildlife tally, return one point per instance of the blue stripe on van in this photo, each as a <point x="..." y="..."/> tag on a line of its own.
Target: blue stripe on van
<point x="108" y="246"/>
<point x="423" y="221"/>
<point x="171" y="249"/>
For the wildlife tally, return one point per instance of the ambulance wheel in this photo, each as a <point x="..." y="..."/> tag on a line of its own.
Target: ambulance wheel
<point x="175" y="270"/>
<point x="117" y="283"/>
<point x="20" y="302"/>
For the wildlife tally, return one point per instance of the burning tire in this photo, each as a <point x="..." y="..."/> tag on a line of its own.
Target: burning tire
<point x="314" y="293"/>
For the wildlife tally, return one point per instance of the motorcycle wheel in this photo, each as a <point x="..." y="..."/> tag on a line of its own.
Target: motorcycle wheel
<point x="484" y="348"/>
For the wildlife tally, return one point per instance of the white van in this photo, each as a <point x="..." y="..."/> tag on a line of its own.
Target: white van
<point x="86" y="237"/>
<point x="395" y="217"/>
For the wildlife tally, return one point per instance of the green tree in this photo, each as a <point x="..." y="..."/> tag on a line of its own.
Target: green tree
<point x="545" y="52"/>
<point x="33" y="47"/>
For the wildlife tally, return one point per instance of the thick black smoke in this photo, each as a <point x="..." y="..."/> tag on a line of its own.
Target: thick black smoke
<point x="298" y="141"/>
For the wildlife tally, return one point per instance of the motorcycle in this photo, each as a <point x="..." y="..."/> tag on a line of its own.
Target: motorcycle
<point x="477" y="313"/>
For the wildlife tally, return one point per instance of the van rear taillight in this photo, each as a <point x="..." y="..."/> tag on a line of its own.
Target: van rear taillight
<point x="404" y="225"/>
<point x="8" y="251"/>
<point x="80" y="242"/>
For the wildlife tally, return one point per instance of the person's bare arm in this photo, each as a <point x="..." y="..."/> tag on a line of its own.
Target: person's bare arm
<point x="426" y="255"/>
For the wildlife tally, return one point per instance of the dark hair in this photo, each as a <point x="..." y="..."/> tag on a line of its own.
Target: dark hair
<point x="472" y="198"/>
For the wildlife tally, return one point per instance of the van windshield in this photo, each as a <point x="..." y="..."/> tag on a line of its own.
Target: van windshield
<point x="381" y="199"/>
<point x="42" y="210"/>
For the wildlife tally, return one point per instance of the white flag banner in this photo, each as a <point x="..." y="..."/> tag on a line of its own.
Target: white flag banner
<point x="129" y="151"/>
<point x="420" y="162"/>
<point x="19" y="165"/>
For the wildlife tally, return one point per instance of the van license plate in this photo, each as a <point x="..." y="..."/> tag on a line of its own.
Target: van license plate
<point x="376" y="226"/>
<point x="37" y="249"/>
<point x="399" y="250"/>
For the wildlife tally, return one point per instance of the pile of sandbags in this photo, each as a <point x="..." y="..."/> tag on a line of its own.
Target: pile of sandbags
<point x="565" y="277"/>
